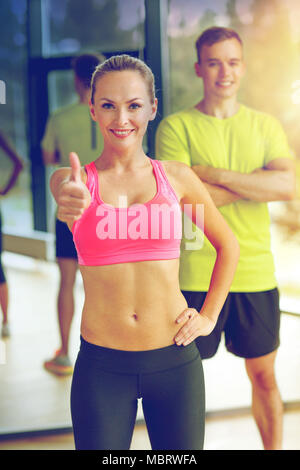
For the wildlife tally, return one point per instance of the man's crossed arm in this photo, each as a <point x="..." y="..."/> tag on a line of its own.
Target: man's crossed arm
<point x="275" y="182"/>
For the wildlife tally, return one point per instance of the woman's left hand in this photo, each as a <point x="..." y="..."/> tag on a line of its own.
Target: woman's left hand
<point x="196" y="324"/>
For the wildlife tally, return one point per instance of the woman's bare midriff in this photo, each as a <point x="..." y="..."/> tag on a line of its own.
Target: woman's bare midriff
<point x="132" y="306"/>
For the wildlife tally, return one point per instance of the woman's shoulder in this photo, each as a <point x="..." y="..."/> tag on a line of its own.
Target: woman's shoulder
<point x="176" y="168"/>
<point x="180" y="176"/>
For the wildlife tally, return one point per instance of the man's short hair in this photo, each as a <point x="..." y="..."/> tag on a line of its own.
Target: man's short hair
<point x="212" y="35"/>
<point x="84" y="67"/>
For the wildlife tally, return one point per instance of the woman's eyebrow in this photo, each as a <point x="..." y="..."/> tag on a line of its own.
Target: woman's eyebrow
<point x="129" y="101"/>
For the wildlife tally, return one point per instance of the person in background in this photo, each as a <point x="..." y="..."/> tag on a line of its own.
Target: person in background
<point x="137" y="334"/>
<point x="70" y="129"/>
<point x="17" y="167"/>
<point x="243" y="158"/>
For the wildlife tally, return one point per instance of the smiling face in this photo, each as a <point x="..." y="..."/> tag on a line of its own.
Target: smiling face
<point x="221" y="69"/>
<point x="122" y="107"/>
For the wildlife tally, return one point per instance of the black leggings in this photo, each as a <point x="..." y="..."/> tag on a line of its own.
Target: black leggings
<point x="107" y="383"/>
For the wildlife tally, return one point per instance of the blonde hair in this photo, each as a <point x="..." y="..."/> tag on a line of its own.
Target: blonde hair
<point x="119" y="63"/>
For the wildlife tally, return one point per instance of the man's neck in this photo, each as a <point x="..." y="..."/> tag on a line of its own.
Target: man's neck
<point x="84" y="97"/>
<point x="219" y="109"/>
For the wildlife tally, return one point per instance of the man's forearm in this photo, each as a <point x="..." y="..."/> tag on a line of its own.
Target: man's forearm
<point x="49" y="158"/>
<point x="275" y="183"/>
<point x="261" y="185"/>
<point x="221" y="196"/>
<point x="17" y="162"/>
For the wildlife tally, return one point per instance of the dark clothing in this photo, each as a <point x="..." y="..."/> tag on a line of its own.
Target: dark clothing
<point x="107" y="383"/>
<point x="250" y="322"/>
<point x="65" y="247"/>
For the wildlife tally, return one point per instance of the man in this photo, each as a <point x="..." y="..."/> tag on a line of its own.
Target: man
<point x="70" y="129"/>
<point x="243" y="158"/>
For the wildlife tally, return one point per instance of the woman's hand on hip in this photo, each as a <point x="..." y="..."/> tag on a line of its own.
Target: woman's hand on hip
<point x="195" y="324"/>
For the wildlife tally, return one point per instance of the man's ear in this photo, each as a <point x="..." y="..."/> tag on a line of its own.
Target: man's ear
<point x="198" y="69"/>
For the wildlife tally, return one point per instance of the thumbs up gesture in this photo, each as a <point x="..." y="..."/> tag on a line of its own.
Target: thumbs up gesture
<point x="75" y="167"/>
<point x="71" y="194"/>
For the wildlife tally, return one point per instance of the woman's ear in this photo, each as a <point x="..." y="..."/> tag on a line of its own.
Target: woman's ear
<point x="92" y="110"/>
<point x="154" y="110"/>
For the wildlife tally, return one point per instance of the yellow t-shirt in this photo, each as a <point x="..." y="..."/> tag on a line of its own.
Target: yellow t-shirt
<point x="71" y="129"/>
<point x="244" y="142"/>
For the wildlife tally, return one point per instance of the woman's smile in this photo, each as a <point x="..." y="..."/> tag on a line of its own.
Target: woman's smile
<point x="121" y="133"/>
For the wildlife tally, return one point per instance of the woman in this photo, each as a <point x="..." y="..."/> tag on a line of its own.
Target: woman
<point x="137" y="331"/>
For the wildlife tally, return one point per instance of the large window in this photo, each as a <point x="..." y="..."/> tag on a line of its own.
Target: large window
<point x="56" y="28"/>
<point x="270" y="30"/>
<point x="72" y="26"/>
<point x="16" y="205"/>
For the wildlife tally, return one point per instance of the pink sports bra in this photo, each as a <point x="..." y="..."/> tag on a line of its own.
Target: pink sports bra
<point x="108" y="235"/>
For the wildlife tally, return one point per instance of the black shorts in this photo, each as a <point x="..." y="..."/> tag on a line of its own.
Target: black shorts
<point x="65" y="247"/>
<point x="250" y="322"/>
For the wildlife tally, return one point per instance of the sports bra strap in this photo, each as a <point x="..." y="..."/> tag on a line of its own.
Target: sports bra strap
<point x="92" y="177"/>
<point x="162" y="177"/>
